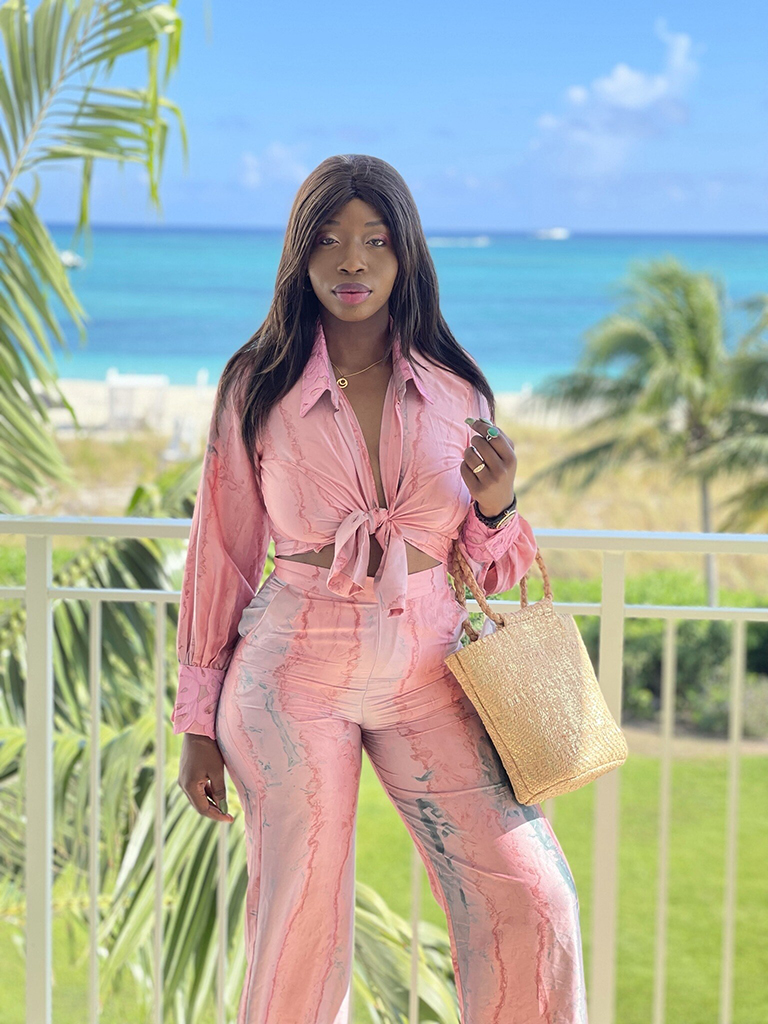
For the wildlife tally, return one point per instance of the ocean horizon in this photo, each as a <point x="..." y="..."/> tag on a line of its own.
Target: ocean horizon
<point x="178" y="300"/>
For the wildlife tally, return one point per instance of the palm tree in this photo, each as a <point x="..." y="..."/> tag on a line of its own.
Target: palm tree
<point x="680" y="397"/>
<point x="744" y="447"/>
<point x="53" y="110"/>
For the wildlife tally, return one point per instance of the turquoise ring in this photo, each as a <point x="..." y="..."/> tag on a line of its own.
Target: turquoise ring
<point x="492" y="432"/>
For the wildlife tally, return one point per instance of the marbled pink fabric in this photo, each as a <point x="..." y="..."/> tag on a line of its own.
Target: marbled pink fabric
<point x="295" y="676"/>
<point x="317" y="678"/>
<point x="309" y="484"/>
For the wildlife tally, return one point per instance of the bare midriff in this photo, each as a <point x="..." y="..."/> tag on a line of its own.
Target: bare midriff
<point x="367" y="402"/>
<point x="417" y="559"/>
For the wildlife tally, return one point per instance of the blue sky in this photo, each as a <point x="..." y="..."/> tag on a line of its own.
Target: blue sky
<point x="595" y="116"/>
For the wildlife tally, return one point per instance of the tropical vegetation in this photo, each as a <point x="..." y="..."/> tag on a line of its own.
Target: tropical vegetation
<point x="660" y="385"/>
<point x="56" y="111"/>
<point x="682" y="400"/>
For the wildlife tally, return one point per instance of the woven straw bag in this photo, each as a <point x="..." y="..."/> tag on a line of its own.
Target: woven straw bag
<point x="533" y="685"/>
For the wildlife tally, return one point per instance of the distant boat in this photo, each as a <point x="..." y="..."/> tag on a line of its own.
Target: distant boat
<point x="556" y="234"/>
<point x="456" y="241"/>
<point x="71" y="259"/>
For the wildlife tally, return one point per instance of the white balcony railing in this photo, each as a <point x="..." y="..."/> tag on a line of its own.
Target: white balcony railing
<point x="39" y="593"/>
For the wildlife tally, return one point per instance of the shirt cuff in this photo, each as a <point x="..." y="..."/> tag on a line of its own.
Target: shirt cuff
<point x="486" y="543"/>
<point x="196" y="700"/>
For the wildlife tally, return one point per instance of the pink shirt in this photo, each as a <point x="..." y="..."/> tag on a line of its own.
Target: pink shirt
<point x="309" y="484"/>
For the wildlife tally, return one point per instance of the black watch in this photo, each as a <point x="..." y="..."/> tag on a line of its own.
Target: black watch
<point x="504" y="516"/>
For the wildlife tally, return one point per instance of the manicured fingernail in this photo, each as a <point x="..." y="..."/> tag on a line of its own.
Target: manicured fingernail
<point x="469" y="420"/>
<point x="486" y="420"/>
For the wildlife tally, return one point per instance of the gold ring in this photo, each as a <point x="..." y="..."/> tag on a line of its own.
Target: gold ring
<point x="481" y="467"/>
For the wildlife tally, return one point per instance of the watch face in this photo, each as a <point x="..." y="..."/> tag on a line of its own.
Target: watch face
<point x="507" y="516"/>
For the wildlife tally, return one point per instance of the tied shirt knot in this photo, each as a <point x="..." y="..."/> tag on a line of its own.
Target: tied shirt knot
<point x="349" y="567"/>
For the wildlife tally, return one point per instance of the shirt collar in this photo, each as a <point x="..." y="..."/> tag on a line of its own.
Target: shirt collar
<point x="319" y="376"/>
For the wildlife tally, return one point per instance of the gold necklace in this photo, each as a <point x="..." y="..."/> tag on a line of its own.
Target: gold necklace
<point x="343" y="381"/>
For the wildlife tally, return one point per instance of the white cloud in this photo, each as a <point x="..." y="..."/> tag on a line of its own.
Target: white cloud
<point x="577" y="94"/>
<point x="679" y="195"/>
<point x="277" y="163"/>
<point x="635" y="90"/>
<point x="549" y="121"/>
<point x="605" y="121"/>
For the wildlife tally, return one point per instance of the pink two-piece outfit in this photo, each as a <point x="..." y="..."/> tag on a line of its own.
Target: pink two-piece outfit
<point x="294" y="677"/>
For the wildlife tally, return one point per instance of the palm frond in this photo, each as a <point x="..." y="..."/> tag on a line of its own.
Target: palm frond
<point x="748" y="372"/>
<point x="754" y="335"/>
<point x="748" y="508"/>
<point x="383" y="963"/>
<point x="732" y="455"/>
<point x="577" y="470"/>
<point x="52" y="108"/>
<point x="579" y="390"/>
<point x="618" y="337"/>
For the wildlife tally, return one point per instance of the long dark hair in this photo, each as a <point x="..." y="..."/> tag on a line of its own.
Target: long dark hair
<point x="273" y="358"/>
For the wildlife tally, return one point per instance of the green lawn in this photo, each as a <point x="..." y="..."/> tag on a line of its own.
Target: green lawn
<point x="695" y="907"/>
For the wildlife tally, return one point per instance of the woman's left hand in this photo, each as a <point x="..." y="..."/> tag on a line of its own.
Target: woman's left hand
<point x="493" y="487"/>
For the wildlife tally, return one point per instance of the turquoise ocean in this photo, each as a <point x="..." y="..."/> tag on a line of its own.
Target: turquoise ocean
<point x="178" y="300"/>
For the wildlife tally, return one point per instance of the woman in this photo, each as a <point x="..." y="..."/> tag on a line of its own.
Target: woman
<point x="354" y="430"/>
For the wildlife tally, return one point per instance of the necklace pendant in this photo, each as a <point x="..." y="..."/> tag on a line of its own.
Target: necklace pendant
<point x="342" y="382"/>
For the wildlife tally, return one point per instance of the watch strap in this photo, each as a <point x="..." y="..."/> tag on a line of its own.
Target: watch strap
<point x="496" y="521"/>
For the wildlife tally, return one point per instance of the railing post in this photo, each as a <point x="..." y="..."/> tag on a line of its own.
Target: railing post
<point x="161" y="617"/>
<point x="602" y="987"/>
<point x="668" y="690"/>
<point x="94" y="849"/>
<point x="416" y="869"/>
<point x="735" y="732"/>
<point x="38" y="704"/>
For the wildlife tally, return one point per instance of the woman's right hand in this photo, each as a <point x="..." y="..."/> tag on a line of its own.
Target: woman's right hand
<point x="201" y="776"/>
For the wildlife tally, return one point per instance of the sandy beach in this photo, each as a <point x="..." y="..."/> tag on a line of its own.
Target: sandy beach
<point x="112" y="409"/>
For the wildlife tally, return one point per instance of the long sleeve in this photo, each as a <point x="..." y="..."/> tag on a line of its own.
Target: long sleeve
<point x="499" y="557"/>
<point x="228" y="543"/>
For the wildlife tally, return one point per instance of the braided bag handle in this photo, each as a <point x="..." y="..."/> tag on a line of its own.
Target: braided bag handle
<point x="462" y="573"/>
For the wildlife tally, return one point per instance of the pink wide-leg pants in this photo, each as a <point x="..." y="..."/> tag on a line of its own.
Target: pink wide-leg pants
<point x="314" y="679"/>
